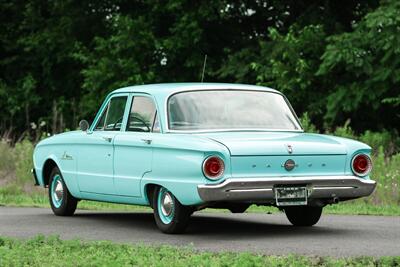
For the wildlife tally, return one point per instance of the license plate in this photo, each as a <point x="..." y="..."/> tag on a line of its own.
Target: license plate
<point x="291" y="196"/>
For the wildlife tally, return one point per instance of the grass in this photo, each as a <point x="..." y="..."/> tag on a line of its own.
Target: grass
<point x="41" y="201"/>
<point x="52" y="251"/>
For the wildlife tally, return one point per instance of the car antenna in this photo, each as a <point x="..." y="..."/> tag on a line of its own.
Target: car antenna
<point x="204" y="67"/>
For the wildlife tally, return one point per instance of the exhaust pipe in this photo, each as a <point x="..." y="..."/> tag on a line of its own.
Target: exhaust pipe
<point x="335" y="200"/>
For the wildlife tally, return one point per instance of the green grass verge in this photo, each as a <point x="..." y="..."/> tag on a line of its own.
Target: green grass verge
<point x="41" y="201"/>
<point x="349" y="208"/>
<point x="52" y="251"/>
<point x="357" y="208"/>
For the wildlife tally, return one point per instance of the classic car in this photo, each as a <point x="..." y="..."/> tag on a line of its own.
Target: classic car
<point x="183" y="147"/>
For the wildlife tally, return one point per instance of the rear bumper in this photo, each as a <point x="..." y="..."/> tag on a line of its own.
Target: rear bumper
<point x="262" y="189"/>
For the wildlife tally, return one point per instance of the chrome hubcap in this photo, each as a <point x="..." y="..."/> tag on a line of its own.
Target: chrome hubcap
<point x="167" y="204"/>
<point x="58" y="191"/>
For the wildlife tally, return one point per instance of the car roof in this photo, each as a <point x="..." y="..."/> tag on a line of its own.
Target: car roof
<point x="170" y="88"/>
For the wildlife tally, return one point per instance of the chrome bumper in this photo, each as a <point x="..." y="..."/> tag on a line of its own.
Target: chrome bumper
<point x="262" y="189"/>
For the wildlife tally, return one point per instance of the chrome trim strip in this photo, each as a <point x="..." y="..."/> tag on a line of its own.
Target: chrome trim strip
<point x="234" y="130"/>
<point x="332" y="187"/>
<point x="250" y="190"/>
<point x="262" y="189"/>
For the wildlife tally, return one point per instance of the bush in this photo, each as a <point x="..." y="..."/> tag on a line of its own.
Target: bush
<point x="6" y="159"/>
<point x="23" y="152"/>
<point x="389" y="142"/>
<point x="15" y="165"/>
<point x="308" y="126"/>
<point x="386" y="172"/>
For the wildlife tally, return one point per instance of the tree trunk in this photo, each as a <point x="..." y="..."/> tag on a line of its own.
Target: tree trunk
<point x="27" y="119"/>
<point x="55" y="117"/>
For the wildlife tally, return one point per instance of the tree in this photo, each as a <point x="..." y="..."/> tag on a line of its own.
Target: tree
<point x="364" y="66"/>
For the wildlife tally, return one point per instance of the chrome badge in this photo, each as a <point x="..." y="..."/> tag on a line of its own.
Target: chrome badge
<point x="289" y="165"/>
<point x="65" y="156"/>
<point x="289" y="149"/>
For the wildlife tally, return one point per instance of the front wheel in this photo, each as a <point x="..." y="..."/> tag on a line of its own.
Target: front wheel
<point x="303" y="215"/>
<point x="170" y="215"/>
<point x="61" y="201"/>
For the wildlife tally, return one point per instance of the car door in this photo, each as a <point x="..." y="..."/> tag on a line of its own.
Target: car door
<point x="133" y="148"/>
<point x="95" y="163"/>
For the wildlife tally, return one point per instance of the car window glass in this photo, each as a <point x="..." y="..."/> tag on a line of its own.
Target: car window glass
<point x="141" y="116"/>
<point x="230" y="109"/>
<point x="115" y="113"/>
<point x="156" y="124"/>
<point x="100" y="123"/>
<point x="111" y="119"/>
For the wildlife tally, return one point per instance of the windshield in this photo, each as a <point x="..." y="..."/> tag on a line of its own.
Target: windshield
<point x="230" y="109"/>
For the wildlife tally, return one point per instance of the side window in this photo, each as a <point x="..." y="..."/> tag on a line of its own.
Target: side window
<point x="156" y="124"/>
<point x="100" y="123"/>
<point x="142" y="115"/>
<point x="111" y="119"/>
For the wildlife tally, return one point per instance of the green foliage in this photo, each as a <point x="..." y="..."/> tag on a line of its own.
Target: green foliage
<point x="307" y="125"/>
<point x="387" y="172"/>
<point x="23" y="152"/>
<point x="367" y="60"/>
<point x="345" y="131"/>
<point x="289" y="61"/>
<point x="123" y="58"/>
<point x="335" y="77"/>
<point x="52" y="251"/>
<point x="334" y="60"/>
<point x="7" y="163"/>
<point x="389" y="142"/>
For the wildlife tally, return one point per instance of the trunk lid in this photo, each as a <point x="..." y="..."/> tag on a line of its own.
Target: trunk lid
<point x="264" y="154"/>
<point x="276" y="143"/>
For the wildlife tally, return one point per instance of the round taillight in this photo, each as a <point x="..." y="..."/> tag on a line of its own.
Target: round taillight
<point x="361" y="164"/>
<point x="213" y="167"/>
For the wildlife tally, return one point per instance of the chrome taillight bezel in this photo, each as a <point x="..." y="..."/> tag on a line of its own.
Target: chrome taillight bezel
<point x="368" y="171"/>
<point x="220" y="174"/>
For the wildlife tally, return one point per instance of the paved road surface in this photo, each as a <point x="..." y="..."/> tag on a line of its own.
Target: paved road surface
<point x="334" y="235"/>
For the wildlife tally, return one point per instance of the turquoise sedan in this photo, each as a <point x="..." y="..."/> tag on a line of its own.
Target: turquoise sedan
<point x="183" y="147"/>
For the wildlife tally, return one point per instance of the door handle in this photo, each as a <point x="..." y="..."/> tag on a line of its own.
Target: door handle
<point x="108" y="139"/>
<point x="147" y="141"/>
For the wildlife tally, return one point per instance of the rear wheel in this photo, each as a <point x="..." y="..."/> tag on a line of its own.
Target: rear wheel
<point x="170" y="215"/>
<point x="61" y="201"/>
<point x="303" y="215"/>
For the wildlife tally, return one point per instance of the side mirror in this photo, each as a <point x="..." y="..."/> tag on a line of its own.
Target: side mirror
<point x="84" y="125"/>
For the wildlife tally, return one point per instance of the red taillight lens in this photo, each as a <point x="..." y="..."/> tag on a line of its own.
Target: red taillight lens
<point x="361" y="164"/>
<point x="213" y="167"/>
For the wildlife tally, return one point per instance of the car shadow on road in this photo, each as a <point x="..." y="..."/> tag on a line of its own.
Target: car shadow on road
<point x="213" y="224"/>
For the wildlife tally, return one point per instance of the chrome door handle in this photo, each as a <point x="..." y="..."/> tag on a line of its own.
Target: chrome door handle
<point x="147" y="141"/>
<point x="108" y="139"/>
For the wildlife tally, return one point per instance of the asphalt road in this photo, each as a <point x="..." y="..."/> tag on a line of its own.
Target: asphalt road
<point x="334" y="235"/>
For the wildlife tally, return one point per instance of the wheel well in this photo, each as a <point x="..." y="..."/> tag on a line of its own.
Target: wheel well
<point x="48" y="167"/>
<point x="150" y="188"/>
